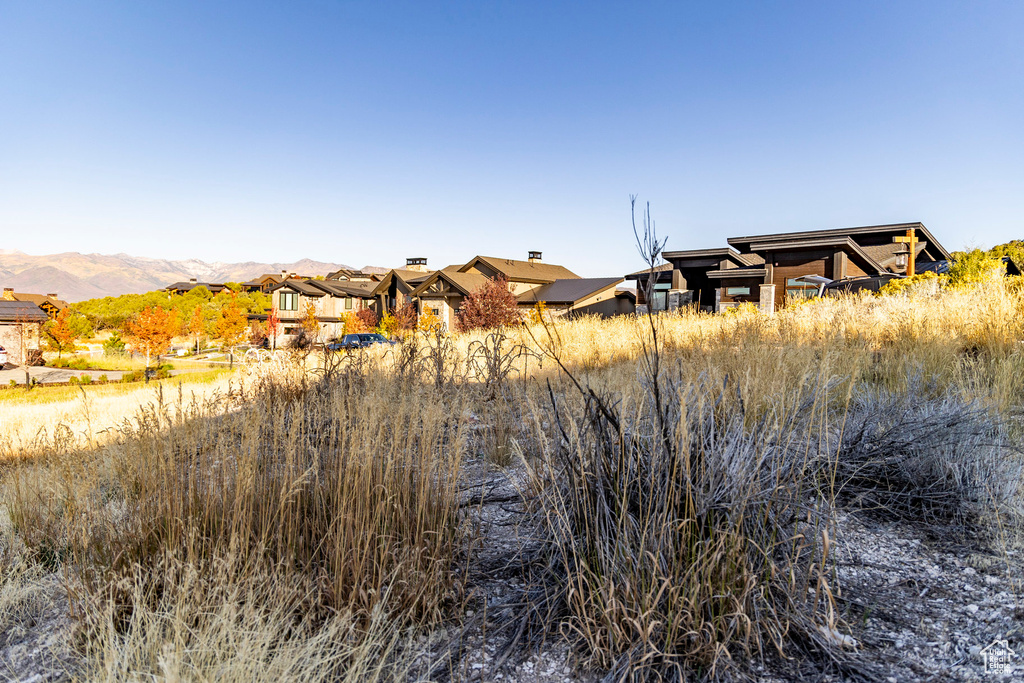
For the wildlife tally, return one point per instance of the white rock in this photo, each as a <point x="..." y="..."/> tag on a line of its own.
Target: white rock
<point x="973" y="609"/>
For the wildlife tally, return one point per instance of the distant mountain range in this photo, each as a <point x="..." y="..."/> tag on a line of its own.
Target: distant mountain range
<point x="76" y="277"/>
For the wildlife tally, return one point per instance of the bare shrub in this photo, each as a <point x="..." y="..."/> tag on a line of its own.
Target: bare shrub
<point x="674" y="543"/>
<point x="926" y="454"/>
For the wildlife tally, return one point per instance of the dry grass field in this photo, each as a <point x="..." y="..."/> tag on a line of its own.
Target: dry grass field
<point x="676" y="496"/>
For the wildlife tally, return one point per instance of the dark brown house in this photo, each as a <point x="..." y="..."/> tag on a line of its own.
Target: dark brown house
<point x="769" y="270"/>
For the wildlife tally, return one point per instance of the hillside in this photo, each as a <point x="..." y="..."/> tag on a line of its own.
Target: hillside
<point x="76" y="277"/>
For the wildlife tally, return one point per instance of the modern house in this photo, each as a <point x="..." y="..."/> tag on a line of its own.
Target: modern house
<point x="20" y="325"/>
<point x="50" y="304"/>
<point x="771" y="270"/>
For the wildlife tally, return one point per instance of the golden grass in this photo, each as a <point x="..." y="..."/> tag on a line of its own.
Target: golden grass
<point x="242" y="527"/>
<point x="89" y="413"/>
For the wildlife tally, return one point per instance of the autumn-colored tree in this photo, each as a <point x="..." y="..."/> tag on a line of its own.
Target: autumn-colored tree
<point x="428" y="322"/>
<point x="273" y="325"/>
<point x="405" y="318"/>
<point x="493" y="305"/>
<point x="398" y="322"/>
<point x="231" y="327"/>
<point x="539" y="313"/>
<point x="60" y="333"/>
<point x="310" y="323"/>
<point x="257" y="333"/>
<point x="368" y="317"/>
<point x="353" y="324"/>
<point x="197" y="326"/>
<point x="151" y="331"/>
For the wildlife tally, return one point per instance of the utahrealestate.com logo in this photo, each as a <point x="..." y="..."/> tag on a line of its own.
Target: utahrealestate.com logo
<point x="998" y="657"/>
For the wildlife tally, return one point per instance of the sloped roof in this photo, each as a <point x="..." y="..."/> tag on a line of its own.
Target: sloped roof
<point x="657" y="269"/>
<point x="21" y="312"/>
<point x="262" y="280"/>
<point x="523" y="271"/>
<point x="568" y="291"/>
<point x="466" y="283"/>
<point x="745" y="243"/>
<point x="343" y="288"/>
<point x="358" y="288"/>
<point x="40" y="299"/>
<point x="189" y="286"/>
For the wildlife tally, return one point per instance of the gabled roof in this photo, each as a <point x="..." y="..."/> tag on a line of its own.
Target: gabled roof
<point x="40" y="299"/>
<point x="21" y="312"/>
<point x="569" y="291"/>
<point x="464" y="283"/>
<point x="522" y="271"/>
<point x="746" y="244"/>
<point x="338" y="288"/>
<point x="262" y="280"/>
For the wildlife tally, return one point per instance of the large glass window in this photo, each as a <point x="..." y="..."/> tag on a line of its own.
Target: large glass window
<point x="797" y="289"/>
<point x="348" y="303"/>
<point x="289" y="301"/>
<point x="737" y="291"/>
<point x="659" y="297"/>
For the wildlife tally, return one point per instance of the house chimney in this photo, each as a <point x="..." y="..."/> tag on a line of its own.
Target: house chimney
<point x="417" y="263"/>
<point x="284" y="275"/>
<point x="535" y="257"/>
<point x="193" y="281"/>
<point x="52" y="295"/>
<point x="9" y="294"/>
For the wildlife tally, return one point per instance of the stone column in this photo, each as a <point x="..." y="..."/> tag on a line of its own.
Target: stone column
<point x="766" y="303"/>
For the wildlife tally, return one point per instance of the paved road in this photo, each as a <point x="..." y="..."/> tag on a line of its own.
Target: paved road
<point x="44" y="375"/>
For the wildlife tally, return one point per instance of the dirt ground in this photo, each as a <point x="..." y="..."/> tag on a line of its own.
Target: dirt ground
<point x="920" y="609"/>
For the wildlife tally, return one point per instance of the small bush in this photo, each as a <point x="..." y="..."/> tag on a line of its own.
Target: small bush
<point x="85" y="379"/>
<point x="72" y="379"/>
<point x="78" y="364"/>
<point x="128" y="377"/>
<point x="102" y="379"/>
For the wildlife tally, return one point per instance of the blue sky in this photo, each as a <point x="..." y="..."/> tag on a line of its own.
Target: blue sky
<point x="369" y="132"/>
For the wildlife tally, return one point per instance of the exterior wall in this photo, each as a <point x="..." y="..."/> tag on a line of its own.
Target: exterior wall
<point x="727" y="300"/>
<point x="17" y="338"/>
<point x="446" y="308"/>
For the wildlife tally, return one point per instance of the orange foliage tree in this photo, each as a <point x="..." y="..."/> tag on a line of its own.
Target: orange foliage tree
<point x="61" y="335"/>
<point x="151" y="331"/>
<point x="197" y="326"/>
<point x="232" y="326"/>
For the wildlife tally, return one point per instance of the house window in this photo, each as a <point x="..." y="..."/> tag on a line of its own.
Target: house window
<point x="348" y="303"/>
<point x="435" y="312"/>
<point x="737" y="291"/>
<point x="659" y="297"/>
<point x="797" y="290"/>
<point x="289" y="301"/>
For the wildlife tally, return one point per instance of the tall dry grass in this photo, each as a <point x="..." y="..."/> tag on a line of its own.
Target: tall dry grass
<point x="304" y="522"/>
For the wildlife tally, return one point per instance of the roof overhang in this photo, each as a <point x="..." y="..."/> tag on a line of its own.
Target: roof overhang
<point x="845" y="243"/>
<point x="746" y="243"/>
